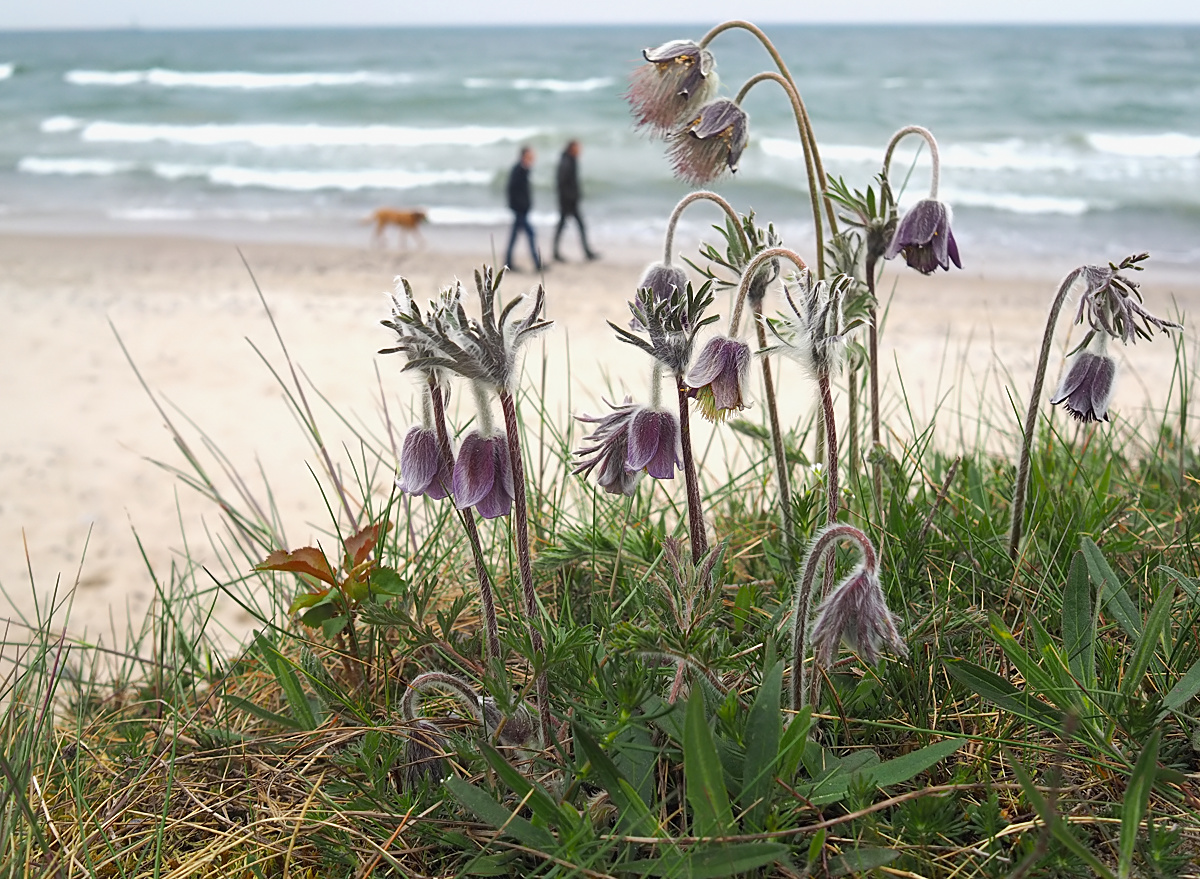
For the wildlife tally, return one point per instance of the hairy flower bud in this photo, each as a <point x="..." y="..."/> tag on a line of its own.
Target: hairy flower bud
<point x="483" y="475"/>
<point x="1087" y="383"/>
<point x="677" y="78"/>
<point x="719" y="376"/>
<point x="423" y="470"/>
<point x="710" y="142"/>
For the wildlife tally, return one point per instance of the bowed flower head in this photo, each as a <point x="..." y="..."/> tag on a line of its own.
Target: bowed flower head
<point x="923" y="235"/>
<point x="483" y="475"/>
<point x="711" y="142"/>
<point x="423" y="470"/>
<point x="856" y="612"/>
<point x="718" y="377"/>
<point x="678" y="77"/>
<point x="631" y="440"/>
<point x="1087" y="383"/>
<point x="664" y="280"/>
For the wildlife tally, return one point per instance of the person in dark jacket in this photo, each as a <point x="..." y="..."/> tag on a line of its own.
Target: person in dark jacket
<point x="520" y="201"/>
<point x="569" y="195"/>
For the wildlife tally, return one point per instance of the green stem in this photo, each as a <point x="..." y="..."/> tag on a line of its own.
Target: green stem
<point x="524" y="560"/>
<point x="817" y="185"/>
<point x="698" y="195"/>
<point x="782" y="476"/>
<point x="695" y="513"/>
<point x="1035" y="399"/>
<point x="487" y="597"/>
<point x="933" y="154"/>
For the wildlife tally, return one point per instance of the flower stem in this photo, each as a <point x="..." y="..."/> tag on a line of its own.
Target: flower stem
<point x="748" y="274"/>
<point x="831" y="448"/>
<point x="1039" y="380"/>
<point x="933" y="154"/>
<point x="873" y="381"/>
<point x="817" y="186"/>
<point x="486" y="595"/>
<point x="695" y="513"/>
<point x="701" y="194"/>
<point x="524" y="561"/>
<point x="820" y="546"/>
<point x="782" y="477"/>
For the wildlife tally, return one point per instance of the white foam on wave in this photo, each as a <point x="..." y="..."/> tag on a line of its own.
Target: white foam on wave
<point x="546" y="85"/>
<point x="73" y="167"/>
<point x="1015" y="203"/>
<point x="302" y="180"/>
<point x="272" y="136"/>
<point x="1012" y="154"/>
<point x="462" y="216"/>
<point x="7" y="70"/>
<point x="234" y="79"/>
<point x="152" y="215"/>
<point x="60" y="124"/>
<point x="1170" y="145"/>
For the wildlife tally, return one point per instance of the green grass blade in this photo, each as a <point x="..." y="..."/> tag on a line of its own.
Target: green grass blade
<point x="711" y="862"/>
<point x="901" y="769"/>
<point x="1079" y="624"/>
<point x="1002" y="693"/>
<point x="1147" y="641"/>
<point x="1137" y="798"/>
<point x="634" y="816"/>
<point x="289" y="682"/>
<point x="712" y="813"/>
<point x="1185" y="689"/>
<point x="491" y="812"/>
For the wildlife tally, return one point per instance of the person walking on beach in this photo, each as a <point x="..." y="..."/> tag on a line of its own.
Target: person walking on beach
<point x="520" y="201"/>
<point x="569" y="195"/>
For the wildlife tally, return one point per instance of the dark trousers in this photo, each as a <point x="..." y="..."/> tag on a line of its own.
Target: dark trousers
<point x="566" y="213"/>
<point x="521" y="224"/>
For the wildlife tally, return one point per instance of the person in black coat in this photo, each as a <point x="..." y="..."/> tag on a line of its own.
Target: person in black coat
<point x="520" y="202"/>
<point x="569" y="195"/>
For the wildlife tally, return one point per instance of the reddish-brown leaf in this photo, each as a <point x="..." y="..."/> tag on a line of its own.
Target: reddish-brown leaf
<point x="306" y="560"/>
<point x="359" y="546"/>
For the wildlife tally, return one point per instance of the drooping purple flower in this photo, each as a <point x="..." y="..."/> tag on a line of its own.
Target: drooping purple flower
<point x="626" y="442"/>
<point x="710" y="142"/>
<point x="718" y="377"/>
<point x="654" y="443"/>
<point x="677" y="78"/>
<point x="483" y="475"/>
<point x="857" y="612"/>
<point x="423" y="470"/>
<point x="923" y="235"/>
<point x="663" y="281"/>
<point x="1087" y="382"/>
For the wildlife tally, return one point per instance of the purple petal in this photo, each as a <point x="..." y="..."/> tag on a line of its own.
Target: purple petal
<point x="419" y="461"/>
<point x="952" y="248"/>
<point x="653" y="443"/>
<point x="474" y="471"/>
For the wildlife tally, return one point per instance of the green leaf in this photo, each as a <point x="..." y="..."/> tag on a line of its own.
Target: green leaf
<point x="491" y="812"/>
<point x="1035" y="676"/>
<point x="1002" y="693"/>
<point x="1113" y="597"/>
<point x="634" y="816"/>
<point x="385" y="581"/>
<point x="711" y="811"/>
<point x="1184" y="690"/>
<point x="539" y="801"/>
<point x="333" y="625"/>
<point x="901" y="769"/>
<point x="289" y="682"/>
<point x="791" y="748"/>
<point x="861" y="859"/>
<point x="764" y="731"/>
<point x="1137" y="798"/>
<point x="260" y="712"/>
<point x="1143" y="651"/>
<point x="711" y="861"/>
<point x="1079" y="624"/>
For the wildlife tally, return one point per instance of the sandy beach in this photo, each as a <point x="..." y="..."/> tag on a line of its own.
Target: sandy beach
<point x="80" y="434"/>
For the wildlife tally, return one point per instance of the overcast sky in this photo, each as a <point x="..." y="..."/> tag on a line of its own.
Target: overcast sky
<point x="22" y="14"/>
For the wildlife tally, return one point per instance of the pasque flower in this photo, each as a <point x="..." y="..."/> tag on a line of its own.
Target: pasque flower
<point x="663" y="280"/>
<point x="628" y="441"/>
<point x="1087" y="383"/>
<point x="677" y="78"/>
<point x="923" y="235"/>
<point x="856" y="612"/>
<point x="718" y="377"/>
<point x="710" y="142"/>
<point x="483" y="476"/>
<point x="423" y="470"/>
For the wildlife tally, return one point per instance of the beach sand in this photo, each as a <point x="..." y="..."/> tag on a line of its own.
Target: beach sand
<point x="79" y="433"/>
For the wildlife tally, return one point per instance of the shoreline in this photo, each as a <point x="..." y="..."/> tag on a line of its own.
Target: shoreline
<point x="73" y="468"/>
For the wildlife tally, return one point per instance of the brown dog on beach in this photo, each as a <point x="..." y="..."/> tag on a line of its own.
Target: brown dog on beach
<point x="407" y="221"/>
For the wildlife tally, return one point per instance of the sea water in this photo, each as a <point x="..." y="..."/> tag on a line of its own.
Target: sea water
<point x="1071" y="144"/>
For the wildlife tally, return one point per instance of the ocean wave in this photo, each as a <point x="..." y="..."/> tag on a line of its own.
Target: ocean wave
<point x="1011" y="154"/>
<point x="546" y="85"/>
<point x="1015" y="203"/>
<point x="155" y="215"/>
<point x="303" y="180"/>
<point x="73" y="167"/>
<point x="234" y="79"/>
<point x="1169" y="145"/>
<point x="59" y="124"/>
<point x="312" y="134"/>
<point x="7" y="70"/>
